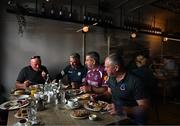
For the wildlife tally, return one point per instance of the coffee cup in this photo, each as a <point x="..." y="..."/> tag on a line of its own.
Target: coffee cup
<point x="72" y="103"/>
<point x="36" y="95"/>
<point x="22" y="122"/>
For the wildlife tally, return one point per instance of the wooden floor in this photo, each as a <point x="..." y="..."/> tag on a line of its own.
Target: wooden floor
<point x="169" y="114"/>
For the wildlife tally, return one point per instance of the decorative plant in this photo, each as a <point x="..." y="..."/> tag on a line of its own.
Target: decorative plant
<point x="21" y="23"/>
<point x="20" y="15"/>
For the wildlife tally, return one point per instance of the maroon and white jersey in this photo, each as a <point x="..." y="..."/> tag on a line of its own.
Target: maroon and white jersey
<point x="96" y="77"/>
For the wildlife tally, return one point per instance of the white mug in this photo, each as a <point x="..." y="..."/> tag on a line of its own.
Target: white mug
<point x="72" y="103"/>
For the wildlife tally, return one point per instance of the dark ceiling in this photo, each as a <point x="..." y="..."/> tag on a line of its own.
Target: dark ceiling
<point x="130" y="5"/>
<point x="110" y="5"/>
<point x="171" y="5"/>
<point x="106" y="6"/>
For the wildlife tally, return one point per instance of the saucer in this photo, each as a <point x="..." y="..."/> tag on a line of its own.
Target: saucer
<point x="93" y="117"/>
<point x="73" y="107"/>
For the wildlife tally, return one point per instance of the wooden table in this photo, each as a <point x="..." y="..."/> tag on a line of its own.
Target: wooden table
<point x="58" y="115"/>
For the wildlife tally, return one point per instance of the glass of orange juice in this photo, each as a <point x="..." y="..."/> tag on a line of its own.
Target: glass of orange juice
<point x="33" y="90"/>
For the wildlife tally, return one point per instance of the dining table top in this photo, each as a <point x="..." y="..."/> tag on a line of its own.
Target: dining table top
<point x="60" y="114"/>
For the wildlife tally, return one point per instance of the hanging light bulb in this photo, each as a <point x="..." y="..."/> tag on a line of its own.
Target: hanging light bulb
<point x="133" y="35"/>
<point x="85" y="29"/>
<point x="165" y="39"/>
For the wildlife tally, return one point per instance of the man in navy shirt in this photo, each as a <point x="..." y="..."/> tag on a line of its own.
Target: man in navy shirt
<point x="75" y="71"/>
<point x="128" y="94"/>
<point x="33" y="74"/>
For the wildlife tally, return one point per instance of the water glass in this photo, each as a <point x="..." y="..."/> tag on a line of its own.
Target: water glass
<point x="32" y="114"/>
<point x="63" y="98"/>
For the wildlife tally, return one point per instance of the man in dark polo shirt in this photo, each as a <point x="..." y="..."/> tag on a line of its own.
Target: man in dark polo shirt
<point x="75" y="71"/>
<point x="33" y="74"/>
<point x="128" y="94"/>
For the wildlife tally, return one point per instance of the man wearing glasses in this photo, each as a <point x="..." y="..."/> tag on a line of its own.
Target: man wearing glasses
<point x="33" y="74"/>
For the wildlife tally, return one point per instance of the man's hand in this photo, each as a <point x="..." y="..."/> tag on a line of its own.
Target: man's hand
<point x="85" y="88"/>
<point x="26" y="83"/>
<point x="74" y="85"/>
<point x="54" y="81"/>
<point x="111" y="109"/>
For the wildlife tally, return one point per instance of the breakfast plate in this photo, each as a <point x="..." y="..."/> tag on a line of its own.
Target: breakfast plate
<point x="83" y="96"/>
<point x="95" y="106"/>
<point x="14" y="104"/>
<point x="74" y="107"/>
<point x="23" y="97"/>
<point x="21" y="113"/>
<point x="80" y="114"/>
<point x="74" y="92"/>
<point x="18" y="92"/>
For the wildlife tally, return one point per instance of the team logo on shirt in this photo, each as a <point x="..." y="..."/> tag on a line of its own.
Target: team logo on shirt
<point x="96" y="77"/>
<point x="70" y="72"/>
<point x="62" y="72"/>
<point x="122" y="87"/>
<point x="79" y="73"/>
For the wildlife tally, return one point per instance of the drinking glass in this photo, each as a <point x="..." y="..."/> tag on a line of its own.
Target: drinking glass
<point x="33" y="90"/>
<point x="32" y="113"/>
<point x="62" y="95"/>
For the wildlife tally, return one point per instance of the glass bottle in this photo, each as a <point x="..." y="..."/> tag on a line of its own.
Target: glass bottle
<point x="43" y="9"/>
<point x="52" y="10"/>
<point x="60" y="12"/>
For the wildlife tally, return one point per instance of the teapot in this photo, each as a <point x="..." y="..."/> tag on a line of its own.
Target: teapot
<point x="40" y="103"/>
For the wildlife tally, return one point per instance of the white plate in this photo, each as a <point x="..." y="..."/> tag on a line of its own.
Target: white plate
<point x="82" y="117"/>
<point x="95" y="109"/>
<point x="74" y="92"/>
<point x="14" y="104"/>
<point x="79" y="117"/>
<point x="74" y="107"/>
<point x="23" y="97"/>
<point x="100" y="105"/>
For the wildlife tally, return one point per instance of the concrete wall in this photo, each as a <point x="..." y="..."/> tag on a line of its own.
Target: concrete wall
<point x="55" y="40"/>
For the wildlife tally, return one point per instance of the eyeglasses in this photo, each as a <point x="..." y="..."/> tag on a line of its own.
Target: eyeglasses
<point x="34" y="57"/>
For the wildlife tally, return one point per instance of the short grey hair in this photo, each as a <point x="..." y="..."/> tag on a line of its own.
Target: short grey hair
<point x="116" y="59"/>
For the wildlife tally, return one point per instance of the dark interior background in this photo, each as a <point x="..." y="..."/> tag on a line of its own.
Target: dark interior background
<point x="55" y="40"/>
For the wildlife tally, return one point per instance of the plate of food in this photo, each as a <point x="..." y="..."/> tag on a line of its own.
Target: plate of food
<point x="20" y="97"/>
<point x="79" y="114"/>
<point x="18" y="92"/>
<point x="84" y="96"/>
<point x="14" y="104"/>
<point x="95" y="105"/>
<point x="74" y="92"/>
<point x="21" y="113"/>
